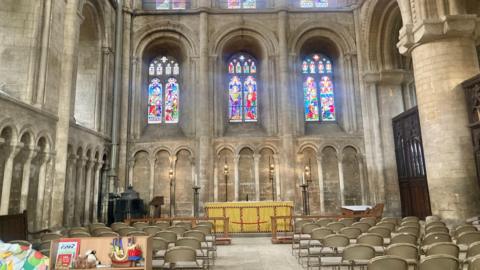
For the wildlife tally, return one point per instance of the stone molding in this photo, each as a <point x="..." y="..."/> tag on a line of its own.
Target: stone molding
<point x="397" y="77"/>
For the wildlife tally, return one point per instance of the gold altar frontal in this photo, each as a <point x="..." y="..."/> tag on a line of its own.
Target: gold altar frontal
<point x="251" y="216"/>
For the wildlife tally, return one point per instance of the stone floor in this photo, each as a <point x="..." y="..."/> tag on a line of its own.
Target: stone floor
<point x="256" y="253"/>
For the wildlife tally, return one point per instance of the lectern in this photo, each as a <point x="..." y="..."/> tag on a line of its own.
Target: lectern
<point x="157" y="203"/>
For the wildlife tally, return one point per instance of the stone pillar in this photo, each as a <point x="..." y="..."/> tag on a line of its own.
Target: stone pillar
<point x="131" y="166"/>
<point x="256" y="162"/>
<point x="361" y="171"/>
<point x="88" y="190"/>
<point x="443" y="53"/>
<point x="40" y="212"/>
<point x="174" y="184"/>
<point x="285" y="115"/>
<point x="321" y="187"/>
<point x="152" y="161"/>
<point x="39" y="96"/>
<point x="278" y="190"/>
<point x="387" y="86"/>
<point x="215" y="182"/>
<point x="236" y="183"/>
<point x="69" y="205"/>
<point x="340" y="178"/>
<point x="7" y="177"/>
<point x="80" y="181"/>
<point x="47" y="204"/>
<point x="96" y="191"/>
<point x="106" y="53"/>
<point x="26" y="178"/>
<point x="68" y="82"/>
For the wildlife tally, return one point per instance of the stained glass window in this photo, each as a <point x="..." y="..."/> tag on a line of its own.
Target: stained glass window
<point x="242" y="88"/>
<point x="318" y="88"/>
<point x="235" y="4"/>
<point x="313" y="3"/>
<point x="165" y="4"/>
<point x="163" y="90"/>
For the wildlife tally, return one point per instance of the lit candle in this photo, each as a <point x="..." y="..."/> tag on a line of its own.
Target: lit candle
<point x="303" y="179"/>
<point x="196" y="180"/>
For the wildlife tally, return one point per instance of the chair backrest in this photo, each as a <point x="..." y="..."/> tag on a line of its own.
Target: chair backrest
<point x="178" y="230"/>
<point x="323" y="222"/>
<point x="410" y="224"/>
<point x="432" y="238"/>
<point x="370" y="220"/>
<point x="124" y="230"/>
<point x="467" y="238"/>
<point x="429" y="219"/>
<point x="79" y="235"/>
<point x="387" y="224"/>
<point x="439" y="262"/>
<point x="108" y="234"/>
<point x="186" y="225"/>
<point x="85" y="229"/>
<point x="199" y="235"/>
<point x="137" y="233"/>
<point x="404" y="238"/>
<point x="409" y="229"/>
<point x="383" y="231"/>
<point x="410" y="219"/>
<point x="335" y="226"/>
<point x="435" y="223"/>
<point x="308" y="227"/>
<point x="443" y="248"/>
<point x="180" y="254"/>
<point x="205" y="229"/>
<point x="140" y="225"/>
<point x="393" y="220"/>
<point x="93" y="226"/>
<point x="169" y="236"/>
<point x="474" y="263"/>
<point x="159" y="243"/>
<point x="162" y="225"/>
<point x="151" y="230"/>
<point x="72" y="231"/>
<point x="464" y="228"/>
<point x="206" y="223"/>
<point x="473" y="249"/>
<point x="188" y="242"/>
<point x="320" y="233"/>
<point x="117" y="225"/>
<point x="347" y="221"/>
<point x="299" y="224"/>
<point x="363" y="226"/>
<point x="436" y="228"/>
<point x="387" y="262"/>
<point x="335" y="241"/>
<point x="99" y="230"/>
<point x="406" y="251"/>
<point x="351" y="232"/>
<point x="372" y="239"/>
<point x="358" y="252"/>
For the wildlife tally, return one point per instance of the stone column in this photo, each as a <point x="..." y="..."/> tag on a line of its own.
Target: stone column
<point x="215" y="182"/>
<point x="69" y="205"/>
<point x="340" y="178"/>
<point x="68" y="82"/>
<point x="236" y="183"/>
<point x="39" y="96"/>
<point x="26" y="178"/>
<point x="285" y="115"/>
<point x="7" y="177"/>
<point x="387" y="86"/>
<point x="321" y="187"/>
<point x="80" y="181"/>
<point x="174" y="184"/>
<point x="131" y="166"/>
<point x="96" y="191"/>
<point x="106" y="52"/>
<point x="88" y="191"/>
<point x="443" y="53"/>
<point x="361" y="171"/>
<point x="278" y="190"/>
<point x="40" y="212"/>
<point x="256" y="162"/>
<point x="152" y="161"/>
<point x="47" y="204"/>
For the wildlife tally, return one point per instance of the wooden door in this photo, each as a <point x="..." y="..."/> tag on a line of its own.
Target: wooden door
<point x="412" y="174"/>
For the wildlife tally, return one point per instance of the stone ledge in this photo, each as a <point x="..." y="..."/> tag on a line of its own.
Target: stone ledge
<point x="15" y="102"/>
<point x="436" y="29"/>
<point x="394" y="76"/>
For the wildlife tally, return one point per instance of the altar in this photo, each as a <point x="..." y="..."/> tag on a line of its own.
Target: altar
<point x="251" y="216"/>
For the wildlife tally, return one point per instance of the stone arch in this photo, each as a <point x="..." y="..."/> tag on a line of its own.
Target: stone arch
<point x="225" y="147"/>
<point x="138" y="149"/>
<point x="162" y="148"/>
<point x="185" y="148"/>
<point x="269" y="146"/>
<point x="310" y="172"/>
<point x="183" y="182"/>
<point x="141" y="174"/>
<point x="307" y="145"/>
<point x="9" y="124"/>
<point x="87" y="104"/>
<point x="267" y="173"/>
<point x="331" y="179"/>
<point x="28" y="129"/>
<point x="161" y="185"/>
<point x="48" y="140"/>
<point x="225" y="155"/>
<point x="246" y="174"/>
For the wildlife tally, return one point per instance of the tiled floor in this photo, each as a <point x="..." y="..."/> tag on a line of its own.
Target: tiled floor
<point x="255" y="254"/>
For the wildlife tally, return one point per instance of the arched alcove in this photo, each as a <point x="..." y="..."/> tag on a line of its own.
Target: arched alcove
<point x="309" y="167"/>
<point x="37" y="162"/>
<point x="351" y="173"/>
<point x="183" y="184"/>
<point x="141" y="175"/>
<point x="331" y="180"/>
<point x="88" y="83"/>
<point x="161" y="186"/>
<point x="267" y="174"/>
<point x="225" y="164"/>
<point x="6" y="135"/>
<point x="18" y="172"/>
<point x="246" y="175"/>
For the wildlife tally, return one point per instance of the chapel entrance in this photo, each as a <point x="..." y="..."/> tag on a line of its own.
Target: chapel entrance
<point x="412" y="174"/>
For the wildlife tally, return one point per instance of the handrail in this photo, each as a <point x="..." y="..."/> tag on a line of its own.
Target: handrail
<point x="193" y="220"/>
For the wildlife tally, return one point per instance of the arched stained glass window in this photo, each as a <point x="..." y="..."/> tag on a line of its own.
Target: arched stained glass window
<point x="165" y="4"/>
<point x="313" y="3"/>
<point x="163" y="90"/>
<point x="318" y="89"/>
<point x="242" y="88"/>
<point x="236" y="4"/>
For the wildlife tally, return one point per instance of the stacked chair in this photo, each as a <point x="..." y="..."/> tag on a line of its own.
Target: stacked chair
<point x="386" y="244"/>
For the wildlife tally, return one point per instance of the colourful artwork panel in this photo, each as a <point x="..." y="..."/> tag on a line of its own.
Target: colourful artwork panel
<point x="249" y="3"/>
<point x="250" y="99"/>
<point x="306" y="3"/>
<point x="321" y="3"/>
<point x="235" y="99"/>
<point x="310" y="99"/>
<point x="155" y="102"/>
<point x="171" y="101"/>
<point x="234" y="4"/>
<point x="162" y="4"/>
<point x="327" y="99"/>
<point x="179" y="4"/>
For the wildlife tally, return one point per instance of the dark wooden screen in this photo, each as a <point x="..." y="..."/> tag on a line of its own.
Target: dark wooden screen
<point x="412" y="174"/>
<point x="472" y="94"/>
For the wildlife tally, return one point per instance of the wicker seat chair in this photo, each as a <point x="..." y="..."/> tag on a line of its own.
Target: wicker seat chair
<point x="159" y="247"/>
<point x="432" y="238"/>
<point x="436" y="228"/>
<point x="357" y="255"/>
<point x="137" y="233"/>
<point x="151" y="230"/>
<point x="446" y="248"/>
<point x="347" y="221"/>
<point x="372" y="239"/>
<point x="169" y="236"/>
<point x="370" y="220"/>
<point x="408" y="252"/>
<point x="404" y="238"/>
<point x="162" y="225"/>
<point x="351" y="232"/>
<point x="140" y="225"/>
